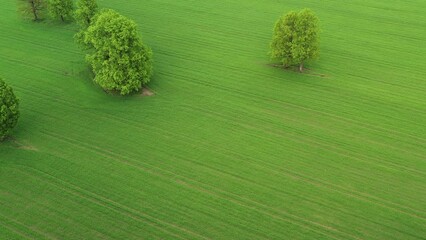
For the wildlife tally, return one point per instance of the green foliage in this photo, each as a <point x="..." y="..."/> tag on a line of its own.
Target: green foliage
<point x="9" y="109"/>
<point x="86" y="10"/>
<point x="61" y="9"/>
<point x="32" y="8"/>
<point x="296" y="38"/>
<point x="120" y="61"/>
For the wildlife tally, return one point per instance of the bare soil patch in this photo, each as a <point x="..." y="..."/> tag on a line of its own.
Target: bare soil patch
<point x="21" y="145"/>
<point x="147" y="92"/>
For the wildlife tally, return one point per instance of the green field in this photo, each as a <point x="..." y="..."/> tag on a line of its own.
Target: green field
<point x="229" y="147"/>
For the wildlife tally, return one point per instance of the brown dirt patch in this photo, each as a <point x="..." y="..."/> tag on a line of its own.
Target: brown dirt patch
<point x="28" y="148"/>
<point x="147" y="92"/>
<point x="22" y="145"/>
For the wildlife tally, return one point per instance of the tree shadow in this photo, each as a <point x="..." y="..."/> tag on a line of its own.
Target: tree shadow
<point x="295" y="69"/>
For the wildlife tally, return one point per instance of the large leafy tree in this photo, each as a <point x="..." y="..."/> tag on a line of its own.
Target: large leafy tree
<point x="61" y="9"/>
<point x="119" y="59"/>
<point x="9" y="109"/>
<point x="296" y="38"/>
<point x="32" y="8"/>
<point x="86" y="10"/>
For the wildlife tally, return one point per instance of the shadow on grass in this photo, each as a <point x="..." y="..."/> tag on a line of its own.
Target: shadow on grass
<point x="14" y="143"/>
<point x="294" y="69"/>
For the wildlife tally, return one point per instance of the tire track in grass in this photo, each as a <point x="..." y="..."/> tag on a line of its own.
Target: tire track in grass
<point x="120" y="158"/>
<point x="227" y="223"/>
<point x="225" y="173"/>
<point x="38" y="44"/>
<point x="349" y="190"/>
<point x="331" y="130"/>
<point x="250" y="95"/>
<point x="406" y="168"/>
<point x="65" y="218"/>
<point x="35" y="66"/>
<point x="110" y="153"/>
<point x="273" y="167"/>
<point x="414" y="211"/>
<point x="369" y="200"/>
<point x="123" y="120"/>
<point x="31" y="233"/>
<point x="120" y="119"/>
<point x="240" y="226"/>
<point x="315" y="183"/>
<point x="315" y="126"/>
<point x="10" y="234"/>
<point x="320" y="183"/>
<point x="270" y="131"/>
<point x="23" y="236"/>
<point x="92" y="197"/>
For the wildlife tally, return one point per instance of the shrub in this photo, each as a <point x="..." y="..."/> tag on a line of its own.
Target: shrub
<point x="61" y="9"/>
<point x="9" y="109"/>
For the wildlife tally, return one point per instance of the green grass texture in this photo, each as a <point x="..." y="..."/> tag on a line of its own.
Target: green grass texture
<point x="229" y="147"/>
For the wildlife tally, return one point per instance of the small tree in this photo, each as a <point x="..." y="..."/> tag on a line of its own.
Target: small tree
<point x="9" y="109"/>
<point x="61" y="9"/>
<point x="86" y="10"/>
<point x="119" y="59"/>
<point x="32" y="7"/>
<point x="296" y="38"/>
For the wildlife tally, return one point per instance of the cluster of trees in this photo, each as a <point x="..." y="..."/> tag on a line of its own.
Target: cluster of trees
<point x="122" y="63"/>
<point x="58" y="9"/>
<point x="296" y="38"/>
<point x="119" y="59"/>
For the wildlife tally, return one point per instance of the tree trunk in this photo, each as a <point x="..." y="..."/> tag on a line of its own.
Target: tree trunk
<point x="33" y="8"/>
<point x="62" y="17"/>
<point x="301" y="67"/>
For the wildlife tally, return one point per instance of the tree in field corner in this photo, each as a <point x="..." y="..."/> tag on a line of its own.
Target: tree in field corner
<point x="9" y="109"/>
<point x="61" y="9"/>
<point x="296" y="38"/>
<point x="119" y="59"/>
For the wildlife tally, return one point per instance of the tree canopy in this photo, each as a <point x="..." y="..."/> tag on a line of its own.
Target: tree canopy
<point x="9" y="109"/>
<point x="119" y="59"/>
<point x="32" y="8"/>
<point x="296" y="38"/>
<point x="61" y="8"/>
<point x="86" y="10"/>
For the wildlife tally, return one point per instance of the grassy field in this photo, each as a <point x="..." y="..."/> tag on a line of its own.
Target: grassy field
<point x="229" y="147"/>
